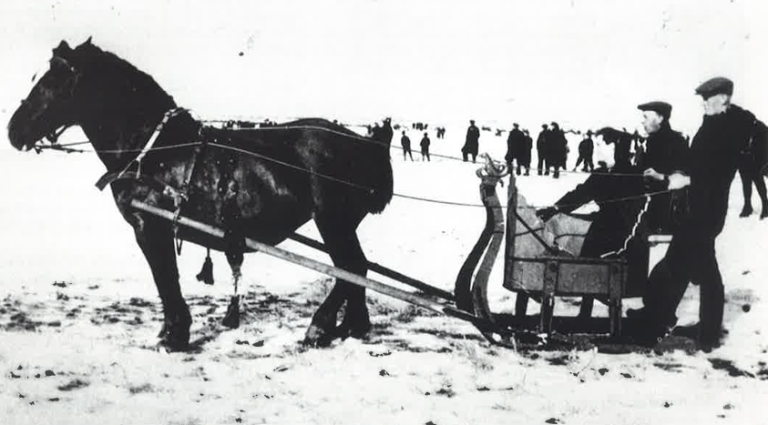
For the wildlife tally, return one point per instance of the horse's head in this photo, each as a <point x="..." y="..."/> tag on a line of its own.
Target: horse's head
<point x="51" y="104"/>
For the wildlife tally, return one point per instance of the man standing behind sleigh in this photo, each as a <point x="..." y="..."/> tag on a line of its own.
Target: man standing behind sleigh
<point x="708" y="171"/>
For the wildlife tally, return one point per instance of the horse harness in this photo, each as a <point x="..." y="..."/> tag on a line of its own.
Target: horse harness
<point x="180" y="195"/>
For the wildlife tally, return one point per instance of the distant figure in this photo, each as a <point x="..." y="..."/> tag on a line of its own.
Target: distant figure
<point x="375" y="131"/>
<point x="405" y="142"/>
<point x="472" y="143"/>
<point x="386" y="131"/>
<point x="541" y="149"/>
<point x="515" y="145"/>
<point x="524" y="157"/>
<point x="557" y="146"/>
<point x="425" y="147"/>
<point x="586" y="150"/>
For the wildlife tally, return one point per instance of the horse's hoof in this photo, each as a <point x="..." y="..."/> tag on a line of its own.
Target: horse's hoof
<point x="746" y="212"/>
<point x="764" y="214"/>
<point x="174" y="343"/>
<point x="356" y="329"/>
<point x="317" y="337"/>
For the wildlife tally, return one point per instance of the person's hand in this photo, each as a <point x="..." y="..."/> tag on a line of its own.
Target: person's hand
<point x="678" y="181"/>
<point x="546" y="213"/>
<point x="653" y="174"/>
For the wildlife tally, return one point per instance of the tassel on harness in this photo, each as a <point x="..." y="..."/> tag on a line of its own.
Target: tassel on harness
<point x="206" y="273"/>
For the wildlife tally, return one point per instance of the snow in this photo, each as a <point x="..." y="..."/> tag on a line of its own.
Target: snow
<point x="95" y="329"/>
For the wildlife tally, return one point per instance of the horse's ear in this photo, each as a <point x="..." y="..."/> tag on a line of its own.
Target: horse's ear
<point x="88" y="42"/>
<point x="63" y="46"/>
<point x="62" y="50"/>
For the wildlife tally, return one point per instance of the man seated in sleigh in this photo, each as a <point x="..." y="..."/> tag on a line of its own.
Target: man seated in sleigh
<point x="630" y="204"/>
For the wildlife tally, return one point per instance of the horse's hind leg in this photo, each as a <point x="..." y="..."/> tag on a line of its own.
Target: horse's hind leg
<point x="344" y="248"/>
<point x="156" y="242"/>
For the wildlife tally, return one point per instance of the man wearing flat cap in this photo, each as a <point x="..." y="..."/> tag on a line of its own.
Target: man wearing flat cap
<point x="709" y="169"/>
<point x="665" y="154"/>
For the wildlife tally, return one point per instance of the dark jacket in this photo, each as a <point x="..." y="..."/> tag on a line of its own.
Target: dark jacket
<point x="615" y="220"/>
<point x="541" y="142"/>
<point x="586" y="147"/>
<point x="425" y="143"/>
<point x="666" y="151"/>
<point x="515" y="144"/>
<point x="557" y="146"/>
<point x="405" y="142"/>
<point x="711" y="163"/>
<point x="471" y="144"/>
<point x="524" y="156"/>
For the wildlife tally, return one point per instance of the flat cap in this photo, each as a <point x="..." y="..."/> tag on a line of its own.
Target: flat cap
<point x="713" y="86"/>
<point x="662" y="108"/>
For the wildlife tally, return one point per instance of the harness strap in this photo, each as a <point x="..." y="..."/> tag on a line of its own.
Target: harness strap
<point x="152" y="139"/>
<point x="183" y="194"/>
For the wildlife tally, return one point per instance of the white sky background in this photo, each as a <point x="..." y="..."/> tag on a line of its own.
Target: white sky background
<point x="584" y="63"/>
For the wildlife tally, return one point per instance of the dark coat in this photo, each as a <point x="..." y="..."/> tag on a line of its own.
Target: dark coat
<point x="405" y="142"/>
<point x="472" y="142"/>
<point x="711" y="163"/>
<point x="666" y="152"/>
<point x="525" y="153"/>
<point x="541" y="142"/>
<point x="515" y="144"/>
<point x="614" y="221"/>
<point x="557" y="147"/>
<point x="425" y="143"/>
<point x="586" y="147"/>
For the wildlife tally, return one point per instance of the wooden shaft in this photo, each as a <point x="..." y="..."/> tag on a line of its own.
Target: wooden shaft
<point x="384" y="271"/>
<point x="311" y="264"/>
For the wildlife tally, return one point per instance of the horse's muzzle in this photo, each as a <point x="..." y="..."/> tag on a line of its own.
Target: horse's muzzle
<point x="19" y="128"/>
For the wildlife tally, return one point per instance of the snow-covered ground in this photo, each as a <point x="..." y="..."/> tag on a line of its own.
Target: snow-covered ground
<point x="79" y="312"/>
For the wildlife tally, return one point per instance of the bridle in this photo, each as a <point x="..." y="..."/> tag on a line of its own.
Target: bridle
<point x="67" y="92"/>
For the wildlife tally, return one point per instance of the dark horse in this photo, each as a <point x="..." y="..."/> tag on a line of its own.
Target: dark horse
<point x="754" y="168"/>
<point x="256" y="183"/>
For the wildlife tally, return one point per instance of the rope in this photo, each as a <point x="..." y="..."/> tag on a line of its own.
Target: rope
<point x="342" y="181"/>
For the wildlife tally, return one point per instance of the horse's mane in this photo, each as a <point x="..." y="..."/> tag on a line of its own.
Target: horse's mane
<point x="94" y="61"/>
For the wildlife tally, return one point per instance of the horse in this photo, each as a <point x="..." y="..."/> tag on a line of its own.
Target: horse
<point x="256" y="183"/>
<point x="753" y="168"/>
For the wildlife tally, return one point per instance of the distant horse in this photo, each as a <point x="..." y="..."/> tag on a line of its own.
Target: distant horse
<point x="754" y="168"/>
<point x="258" y="183"/>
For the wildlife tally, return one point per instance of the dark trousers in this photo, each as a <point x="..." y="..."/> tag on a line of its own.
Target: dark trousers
<point x="542" y="163"/>
<point x="407" y="151"/>
<point x="588" y="164"/>
<point x="690" y="258"/>
<point x="465" y="155"/>
<point x="425" y="153"/>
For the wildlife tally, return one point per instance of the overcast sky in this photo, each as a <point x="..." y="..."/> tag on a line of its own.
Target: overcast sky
<point x="582" y="62"/>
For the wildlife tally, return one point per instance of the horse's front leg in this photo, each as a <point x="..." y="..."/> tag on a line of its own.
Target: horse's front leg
<point x="155" y="238"/>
